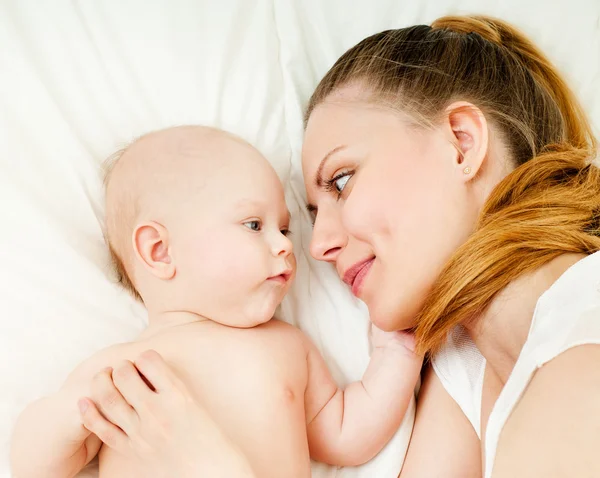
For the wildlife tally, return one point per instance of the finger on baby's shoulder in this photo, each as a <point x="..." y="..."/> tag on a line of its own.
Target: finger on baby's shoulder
<point x="92" y="419"/>
<point x="82" y="376"/>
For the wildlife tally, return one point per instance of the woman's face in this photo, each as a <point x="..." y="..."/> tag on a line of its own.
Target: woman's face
<point x="390" y="201"/>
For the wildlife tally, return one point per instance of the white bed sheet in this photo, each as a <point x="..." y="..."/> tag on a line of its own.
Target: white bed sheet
<point x="78" y="79"/>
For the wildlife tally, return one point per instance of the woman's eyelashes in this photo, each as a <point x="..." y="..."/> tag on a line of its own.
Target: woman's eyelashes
<point x="338" y="183"/>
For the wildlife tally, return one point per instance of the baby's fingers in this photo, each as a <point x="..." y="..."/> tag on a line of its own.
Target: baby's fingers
<point x="111" y="435"/>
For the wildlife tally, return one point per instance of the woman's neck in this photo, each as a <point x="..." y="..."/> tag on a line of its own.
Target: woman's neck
<point x="502" y="330"/>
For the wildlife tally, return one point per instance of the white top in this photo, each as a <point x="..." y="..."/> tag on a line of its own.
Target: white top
<point x="566" y="315"/>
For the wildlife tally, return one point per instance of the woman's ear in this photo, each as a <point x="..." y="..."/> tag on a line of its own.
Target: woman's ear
<point x="151" y="246"/>
<point x="468" y="132"/>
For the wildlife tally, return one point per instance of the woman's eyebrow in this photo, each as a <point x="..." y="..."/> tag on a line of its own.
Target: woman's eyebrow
<point x="319" y="176"/>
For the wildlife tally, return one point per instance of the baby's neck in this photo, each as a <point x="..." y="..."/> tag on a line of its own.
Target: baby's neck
<point x="164" y="320"/>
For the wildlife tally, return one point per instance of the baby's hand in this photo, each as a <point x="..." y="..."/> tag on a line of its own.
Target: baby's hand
<point x="397" y="339"/>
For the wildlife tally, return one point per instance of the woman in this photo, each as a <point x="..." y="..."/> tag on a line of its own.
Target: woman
<point x="452" y="166"/>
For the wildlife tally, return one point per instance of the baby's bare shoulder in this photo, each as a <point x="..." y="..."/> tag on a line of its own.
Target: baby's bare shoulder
<point x="201" y="353"/>
<point x="209" y="341"/>
<point x="108" y="357"/>
<point x="285" y="330"/>
<point x="282" y="333"/>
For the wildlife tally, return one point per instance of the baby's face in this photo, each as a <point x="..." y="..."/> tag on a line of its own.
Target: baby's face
<point x="229" y="241"/>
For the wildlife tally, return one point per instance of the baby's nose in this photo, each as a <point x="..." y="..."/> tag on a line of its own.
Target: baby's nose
<point x="285" y="247"/>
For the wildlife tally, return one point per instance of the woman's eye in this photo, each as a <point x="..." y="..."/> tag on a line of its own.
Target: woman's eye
<point x="340" y="182"/>
<point x="253" y="225"/>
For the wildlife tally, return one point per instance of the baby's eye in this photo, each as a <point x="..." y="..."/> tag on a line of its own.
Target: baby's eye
<point x="285" y="231"/>
<point x="254" y="225"/>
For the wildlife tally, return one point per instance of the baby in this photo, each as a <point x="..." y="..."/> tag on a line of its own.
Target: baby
<point x="198" y="225"/>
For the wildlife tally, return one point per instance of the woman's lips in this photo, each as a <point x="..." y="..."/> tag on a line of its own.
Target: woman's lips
<point x="355" y="276"/>
<point x="360" y="278"/>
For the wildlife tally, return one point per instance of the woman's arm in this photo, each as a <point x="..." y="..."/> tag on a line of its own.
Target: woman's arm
<point x="156" y="420"/>
<point x="443" y="443"/>
<point x="554" y="429"/>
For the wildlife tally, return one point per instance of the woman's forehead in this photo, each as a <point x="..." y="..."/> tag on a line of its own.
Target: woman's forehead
<point x="347" y="124"/>
<point x="330" y="125"/>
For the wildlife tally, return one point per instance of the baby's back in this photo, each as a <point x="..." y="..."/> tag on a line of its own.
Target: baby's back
<point x="251" y="381"/>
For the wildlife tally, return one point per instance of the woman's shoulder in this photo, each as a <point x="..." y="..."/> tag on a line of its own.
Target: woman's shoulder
<point x="558" y="411"/>
<point x="566" y="313"/>
<point x="553" y="372"/>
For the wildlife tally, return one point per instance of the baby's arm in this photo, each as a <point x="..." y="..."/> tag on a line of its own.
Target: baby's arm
<point x="49" y="439"/>
<point x="349" y="427"/>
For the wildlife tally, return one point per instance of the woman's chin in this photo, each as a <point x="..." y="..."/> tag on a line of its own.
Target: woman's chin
<point x="390" y="319"/>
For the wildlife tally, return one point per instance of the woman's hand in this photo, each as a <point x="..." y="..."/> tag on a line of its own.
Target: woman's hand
<point x="143" y="411"/>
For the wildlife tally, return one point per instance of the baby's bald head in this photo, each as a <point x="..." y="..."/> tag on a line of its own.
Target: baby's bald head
<point x="155" y="175"/>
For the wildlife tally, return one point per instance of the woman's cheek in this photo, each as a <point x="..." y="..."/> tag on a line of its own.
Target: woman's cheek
<point x="364" y="211"/>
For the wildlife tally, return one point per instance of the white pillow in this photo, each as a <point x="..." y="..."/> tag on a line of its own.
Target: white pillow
<point x="80" y="79"/>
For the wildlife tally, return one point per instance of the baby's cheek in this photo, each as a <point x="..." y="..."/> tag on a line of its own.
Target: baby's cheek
<point x="228" y="260"/>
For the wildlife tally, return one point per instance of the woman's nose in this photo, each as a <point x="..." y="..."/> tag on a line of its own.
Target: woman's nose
<point x="329" y="237"/>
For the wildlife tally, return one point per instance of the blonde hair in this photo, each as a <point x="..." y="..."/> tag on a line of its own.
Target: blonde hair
<point x="112" y="224"/>
<point x="550" y="203"/>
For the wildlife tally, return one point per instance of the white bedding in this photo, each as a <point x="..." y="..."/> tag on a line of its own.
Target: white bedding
<point x="80" y="78"/>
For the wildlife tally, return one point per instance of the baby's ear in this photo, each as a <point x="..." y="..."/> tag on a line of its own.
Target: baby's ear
<point x="151" y="246"/>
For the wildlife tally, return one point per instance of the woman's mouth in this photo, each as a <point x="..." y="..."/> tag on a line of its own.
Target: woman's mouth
<point x="355" y="276"/>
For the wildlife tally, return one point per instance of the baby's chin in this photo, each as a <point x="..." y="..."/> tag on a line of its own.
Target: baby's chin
<point x="263" y="307"/>
<point x="258" y="308"/>
<point x="264" y="316"/>
<point x="252" y="321"/>
<point x="251" y="317"/>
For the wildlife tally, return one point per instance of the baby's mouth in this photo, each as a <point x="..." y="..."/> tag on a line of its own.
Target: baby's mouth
<point x="283" y="277"/>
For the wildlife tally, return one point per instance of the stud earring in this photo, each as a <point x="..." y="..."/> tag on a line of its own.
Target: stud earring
<point x="467" y="170"/>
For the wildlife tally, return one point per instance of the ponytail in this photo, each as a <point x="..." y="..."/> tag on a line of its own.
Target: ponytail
<point x="546" y="207"/>
<point x="577" y="130"/>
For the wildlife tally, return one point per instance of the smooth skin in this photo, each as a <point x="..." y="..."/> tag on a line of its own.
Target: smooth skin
<point x="398" y="195"/>
<point x="205" y="234"/>
<point x="385" y="189"/>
